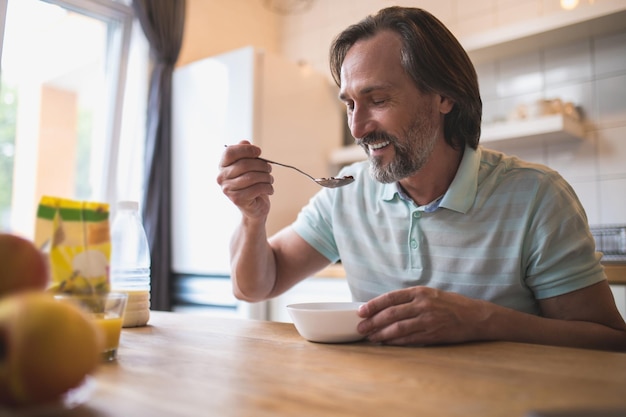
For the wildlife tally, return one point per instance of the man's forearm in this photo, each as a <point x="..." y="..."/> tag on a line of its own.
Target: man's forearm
<point x="515" y="326"/>
<point x="253" y="267"/>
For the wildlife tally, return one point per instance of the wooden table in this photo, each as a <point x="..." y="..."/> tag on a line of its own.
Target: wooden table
<point x="190" y="365"/>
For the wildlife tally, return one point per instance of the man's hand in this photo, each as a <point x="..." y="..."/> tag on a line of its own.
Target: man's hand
<point x="423" y="316"/>
<point x="584" y="318"/>
<point x="246" y="180"/>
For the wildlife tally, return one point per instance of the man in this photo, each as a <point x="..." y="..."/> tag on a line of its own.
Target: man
<point x="446" y="241"/>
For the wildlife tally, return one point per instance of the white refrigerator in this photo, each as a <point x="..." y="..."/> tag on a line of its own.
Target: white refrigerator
<point x="288" y="110"/>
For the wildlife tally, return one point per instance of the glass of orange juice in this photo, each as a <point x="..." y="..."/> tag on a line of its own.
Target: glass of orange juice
<point x="107" y="311"/>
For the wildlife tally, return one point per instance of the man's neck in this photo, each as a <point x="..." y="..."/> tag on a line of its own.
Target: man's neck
<point x="434" y="179"/>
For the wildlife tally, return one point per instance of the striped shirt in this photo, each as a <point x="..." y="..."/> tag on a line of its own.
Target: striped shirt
<point x="506" y="231"/>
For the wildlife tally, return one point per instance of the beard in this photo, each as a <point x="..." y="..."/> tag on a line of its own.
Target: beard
<point x="411" y="152"/>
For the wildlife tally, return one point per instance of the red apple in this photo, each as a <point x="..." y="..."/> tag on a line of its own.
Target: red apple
<point x="22" y="265"/>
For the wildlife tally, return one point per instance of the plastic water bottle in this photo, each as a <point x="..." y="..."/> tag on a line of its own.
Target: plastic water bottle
<point x="130" y="263"/>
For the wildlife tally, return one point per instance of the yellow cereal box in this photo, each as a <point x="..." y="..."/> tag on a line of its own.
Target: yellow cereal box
<point x="75" y="236"/>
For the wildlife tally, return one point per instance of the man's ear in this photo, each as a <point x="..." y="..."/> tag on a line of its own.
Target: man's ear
<point x="446" y="104"/>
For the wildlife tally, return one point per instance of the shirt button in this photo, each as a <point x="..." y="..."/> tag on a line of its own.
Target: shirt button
<point x="413" y="244"/>
<point x="416" y="214"/>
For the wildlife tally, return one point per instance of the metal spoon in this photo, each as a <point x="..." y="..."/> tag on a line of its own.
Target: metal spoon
<point x="331" y="182"/>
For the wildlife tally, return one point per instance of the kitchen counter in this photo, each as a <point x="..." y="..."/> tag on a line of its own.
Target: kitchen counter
<point x="615" y="272"/>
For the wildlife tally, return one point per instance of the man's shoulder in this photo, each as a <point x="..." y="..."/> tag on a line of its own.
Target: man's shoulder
<point x="501" y="164"/>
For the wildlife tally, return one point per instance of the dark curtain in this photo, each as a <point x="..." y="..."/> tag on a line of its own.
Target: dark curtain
<point x="162" y="21"/>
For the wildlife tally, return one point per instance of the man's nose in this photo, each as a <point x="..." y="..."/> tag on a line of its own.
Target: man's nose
<point x="360" y="123"/>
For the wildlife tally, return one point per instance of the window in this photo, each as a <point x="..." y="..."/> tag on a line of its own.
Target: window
<point x="63" y="76"/>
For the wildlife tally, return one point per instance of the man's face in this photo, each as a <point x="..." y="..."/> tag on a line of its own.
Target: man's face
<point x="396" y="124"/>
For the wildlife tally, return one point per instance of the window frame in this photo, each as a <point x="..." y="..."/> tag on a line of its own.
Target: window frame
<point x="119" y="46"/>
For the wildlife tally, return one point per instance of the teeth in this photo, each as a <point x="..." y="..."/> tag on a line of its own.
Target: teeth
<point x="375" y="146"/>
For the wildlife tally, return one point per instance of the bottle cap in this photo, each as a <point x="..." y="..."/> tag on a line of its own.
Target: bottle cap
<point x="128" y="205"/>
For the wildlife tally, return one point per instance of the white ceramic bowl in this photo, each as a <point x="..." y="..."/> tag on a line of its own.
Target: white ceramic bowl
<point x="333" y="322"/>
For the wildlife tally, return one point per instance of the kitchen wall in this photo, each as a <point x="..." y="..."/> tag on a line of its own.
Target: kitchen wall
<point x="213" y="27"/>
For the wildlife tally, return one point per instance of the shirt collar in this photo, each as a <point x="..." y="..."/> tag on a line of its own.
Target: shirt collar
<point x="462" y="191"/>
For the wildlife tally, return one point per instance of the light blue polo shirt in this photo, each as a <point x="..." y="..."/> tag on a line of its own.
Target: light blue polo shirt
<point x="506" y="231"/>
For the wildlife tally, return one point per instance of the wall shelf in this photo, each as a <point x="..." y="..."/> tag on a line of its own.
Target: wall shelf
<point x="547" y="31"/>
<point x="551" y="128"/>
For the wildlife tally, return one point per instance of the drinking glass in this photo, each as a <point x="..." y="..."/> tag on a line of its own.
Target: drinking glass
<point x="107" y="311"/>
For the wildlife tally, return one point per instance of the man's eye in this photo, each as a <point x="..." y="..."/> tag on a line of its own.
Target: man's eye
<point x="378" y="102"/>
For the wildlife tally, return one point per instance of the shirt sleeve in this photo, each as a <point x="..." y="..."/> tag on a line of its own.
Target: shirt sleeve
<point x="314" y="224"/>
<point x="560" y="250"/>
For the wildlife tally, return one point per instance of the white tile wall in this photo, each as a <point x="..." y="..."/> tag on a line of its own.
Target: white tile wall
<point x="588" y="194"/>
<point x="611" y="98"/>
<point x="568" y="63"/>
<point x="520" y="75"/>
<point x="590" y="73"/>
<point x="613" y="198"/>
<point x="610" y="54"/>
<point x="612" y="152"/>
<point x="576" y="161"/>
<point x="487" y="76"/>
